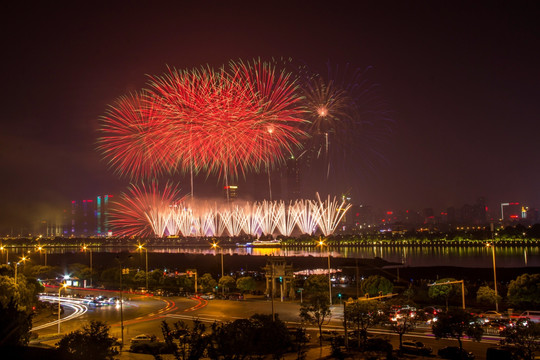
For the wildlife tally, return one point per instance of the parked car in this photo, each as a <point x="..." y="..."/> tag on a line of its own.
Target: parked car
<point x="143" y="338"/>
<point x="416" y="347"/>
<point x="453" y="352"/>
<point x="236" y="296"/>
<point x="208" y="296"/>
<point x="492" y="314"/>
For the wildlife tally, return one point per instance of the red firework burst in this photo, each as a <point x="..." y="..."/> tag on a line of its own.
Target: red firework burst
<point x="134" y="140"/>
<point x="139" y="212"/>
<point x="242" y="117"/>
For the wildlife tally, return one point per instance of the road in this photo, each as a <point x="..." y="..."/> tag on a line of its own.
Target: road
<point x="144" y="314"/>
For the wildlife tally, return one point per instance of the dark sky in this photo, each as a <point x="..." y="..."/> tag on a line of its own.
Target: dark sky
<point x="462" y="80"/>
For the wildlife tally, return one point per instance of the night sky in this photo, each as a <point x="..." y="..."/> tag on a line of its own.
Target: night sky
<point x="462" y="82"/>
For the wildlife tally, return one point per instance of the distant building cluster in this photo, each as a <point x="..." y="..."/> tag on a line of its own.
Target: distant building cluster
<point x="361" y="217"/>
<point x="89" y="217"/>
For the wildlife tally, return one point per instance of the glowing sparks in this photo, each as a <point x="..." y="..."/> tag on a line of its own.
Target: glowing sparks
<point x="159" y="214"/>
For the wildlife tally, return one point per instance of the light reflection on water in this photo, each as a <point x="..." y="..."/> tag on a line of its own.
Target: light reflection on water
<point x="471" y="256"/>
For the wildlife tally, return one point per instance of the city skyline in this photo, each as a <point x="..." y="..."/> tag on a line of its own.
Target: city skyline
<point x="459" y="79"/>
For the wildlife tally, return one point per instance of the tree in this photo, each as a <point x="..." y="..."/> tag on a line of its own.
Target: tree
<point x="207" y="282"/>
<point x="92" y="342"/>
<point x="316" y="285"/>
<point x="227" y="282"/>
<point x="486" y="295"/>
<point x="406" y="321"/>
<point x="192" y="342"/>
<point x="248" y="338"/>
<point x="376" y="284"/>
<point x="444" y="291"/>
<point x="456" y="324"/>
<point x="362" y="315"/>
<point x="525" y="336"/>
<point x="15" y="324"/>
<point x="246" y="283"/>
<point x="525" y="291"/>
<point x="315" y="311"/>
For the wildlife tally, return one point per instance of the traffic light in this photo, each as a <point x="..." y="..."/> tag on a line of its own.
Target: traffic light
<point x="281" y="279"/>
<point x="339" y="295"/>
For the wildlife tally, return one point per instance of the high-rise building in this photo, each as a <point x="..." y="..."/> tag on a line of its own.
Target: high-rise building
<point x="102" y="215"/>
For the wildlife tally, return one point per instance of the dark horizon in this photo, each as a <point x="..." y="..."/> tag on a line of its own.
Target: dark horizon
<point x="460" y="80"/>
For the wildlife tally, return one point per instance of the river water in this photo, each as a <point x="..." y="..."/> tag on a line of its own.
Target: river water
<point x="413" y="256"/>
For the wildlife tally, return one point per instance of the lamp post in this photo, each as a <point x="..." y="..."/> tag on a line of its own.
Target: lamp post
<point x="40" y="249"/>
<point x="85" y="248"/>
<point x="141" y="247"/>
<point x="321" y="244"/>
<point x="494" y="276"/>
<point x="3" y="248"/>
<point x="64" y="286"/>
<point x="22" y="260"/>
<point x="215" y="246"/>
<point x="120" y="263"/>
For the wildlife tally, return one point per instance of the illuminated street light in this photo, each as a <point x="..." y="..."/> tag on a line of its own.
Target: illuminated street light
<point x="64" y="286"/>
<point x="42" y="249"/>
<point x="85" y="248"/>
<point x="321" y="244"/>
<point x="141" y="247"/>
<point x="22" y="260"/>
<point x="3" y="248"/>
<point x="492" y="246"/>
<point x="215" y="246"/>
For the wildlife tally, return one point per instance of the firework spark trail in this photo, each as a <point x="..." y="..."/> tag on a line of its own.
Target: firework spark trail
<point x="149" y="212"/>
<point x="132" y="140"/>
<point x="231" y="120"/>
<point x="329" y="214"/>
<point x="143" y="211"/>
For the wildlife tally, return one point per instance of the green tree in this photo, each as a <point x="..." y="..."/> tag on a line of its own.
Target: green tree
<point x="15" y="324"/>
<point x="93" y="342"/>
<point x="525" y="336"/>
<point x="140" y="278"/>
<point x="456" y="324"/>
<point x="316" y="285"/>
<point x="315" y="311"/>
<point x="406" y="321"/>
<point x="524" y="292"/>
<point x="444" y="292"/>
<point x="362" y="315"/>
<point x="191" y="341"/>
<point x="246" y="283"/>
<point x="376" y="284"/>
<point x="207" y="282"/>
<point x="79" y="271"/>
<point x="486" y="295"/>
<point x="227" y="282"/>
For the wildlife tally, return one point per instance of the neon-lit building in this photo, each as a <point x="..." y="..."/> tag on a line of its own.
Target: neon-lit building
<point x="89" y="217"/>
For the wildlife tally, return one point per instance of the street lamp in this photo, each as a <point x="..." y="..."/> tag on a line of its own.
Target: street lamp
<point x="321" y="244"/>
<point x="84" y="248"/>
<point x="141" y="247"/>
<point x="120" y="263"/>
<point x="40" y="249"/>
<point x="215" y="246"/>
<point x="3" y="248"/>
<point x="494" y="275"/>
<point x="64" y="286"/>
<point x="22" y="260"/>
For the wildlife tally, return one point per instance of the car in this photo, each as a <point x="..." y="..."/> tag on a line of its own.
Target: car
<point x="208" y="296"/>
<point x="416" y="347"/>
<point x="453" y="352"/>
<point x="492" y="315"/>
<point x="143" y="338"/>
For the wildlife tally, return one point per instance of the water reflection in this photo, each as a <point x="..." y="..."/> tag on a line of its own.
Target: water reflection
<point x="473" y="256"/>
